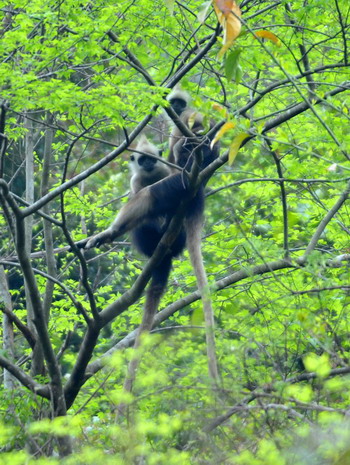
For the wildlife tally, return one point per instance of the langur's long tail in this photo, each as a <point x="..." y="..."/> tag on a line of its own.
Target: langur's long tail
<point x="193" y="226"/>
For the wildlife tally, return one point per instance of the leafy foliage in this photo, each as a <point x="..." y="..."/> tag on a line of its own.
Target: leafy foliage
<point x="79" y="82"/>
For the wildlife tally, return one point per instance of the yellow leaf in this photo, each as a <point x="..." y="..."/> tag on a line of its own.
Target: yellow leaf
<point x="268" y="35"/>
<point x="225" y="6"/>
<point x="221" y="132"/>
<point x="235" y="146"/>
<point x="228" y="14"/>
<point x="192" y="119"/>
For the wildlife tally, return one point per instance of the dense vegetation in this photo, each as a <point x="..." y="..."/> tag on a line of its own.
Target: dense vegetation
<point x="79" y="82"/>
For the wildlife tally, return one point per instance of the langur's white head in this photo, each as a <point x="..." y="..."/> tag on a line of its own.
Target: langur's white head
<point x="146" y="169"/>
<point x="140" y="161"/>
<point x="178" y="99"/>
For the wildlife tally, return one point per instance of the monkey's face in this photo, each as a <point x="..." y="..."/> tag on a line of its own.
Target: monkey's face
<point x="143" y="164"/>
<point x="178" y="105"/>
<point x="146" y="163"/>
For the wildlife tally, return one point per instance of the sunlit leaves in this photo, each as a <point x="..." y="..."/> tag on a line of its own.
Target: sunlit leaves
<point x="299" y="392"/>
<point x="57" y="426"/>
<point x="6" y="433"/>
<point x="318" y="364"/>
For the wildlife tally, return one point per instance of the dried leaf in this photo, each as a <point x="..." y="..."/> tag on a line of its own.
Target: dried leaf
<point x="268" y="35"/>
<point x="228" y="13"/>
<point x="227" y="126"/>
<point x="225" y="6"/>
<point x="235" y="146"/>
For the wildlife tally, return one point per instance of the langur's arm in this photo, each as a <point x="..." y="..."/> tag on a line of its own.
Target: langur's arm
<point x="130" y="216"/>
<point x="160" y="198"/>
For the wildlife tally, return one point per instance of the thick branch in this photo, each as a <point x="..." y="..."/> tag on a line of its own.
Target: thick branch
<point x="34" y="295"/>
<point x="47" y="225"/>
<point x="25" y="379"/>
<point x="76" y="379"/>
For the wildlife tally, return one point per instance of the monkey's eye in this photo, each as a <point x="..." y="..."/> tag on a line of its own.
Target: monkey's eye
<point x="132" y="158"/>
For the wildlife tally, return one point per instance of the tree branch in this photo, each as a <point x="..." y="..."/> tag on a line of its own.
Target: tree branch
<point x="327" y="218"/>
<point x="167" y="312"/>
<point x="26" y="380"/>
<point x="39" y="320"/>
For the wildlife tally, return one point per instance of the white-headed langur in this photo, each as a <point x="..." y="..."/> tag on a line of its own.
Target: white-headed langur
<point x="151" y="208"/>
<point x="146" y="171"/>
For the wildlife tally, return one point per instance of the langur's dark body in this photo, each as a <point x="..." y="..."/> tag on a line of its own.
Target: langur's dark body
<point x="146" y="237"/>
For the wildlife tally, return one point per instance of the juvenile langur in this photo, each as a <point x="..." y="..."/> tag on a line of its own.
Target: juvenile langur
<point x="163" y="198"/>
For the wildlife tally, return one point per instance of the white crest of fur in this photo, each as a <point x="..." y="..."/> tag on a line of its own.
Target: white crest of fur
<point x="145" y="146"/>
<point x="177" y="92"/>
<point x="141" y="178"/>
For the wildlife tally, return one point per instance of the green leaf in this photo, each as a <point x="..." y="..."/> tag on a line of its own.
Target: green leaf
<point x="318" y="364"/>
<point x="231" y="64"/>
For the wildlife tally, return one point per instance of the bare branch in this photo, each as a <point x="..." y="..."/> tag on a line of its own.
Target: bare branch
<point x="321" y="227"/>
<point x="24" y="379"/>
